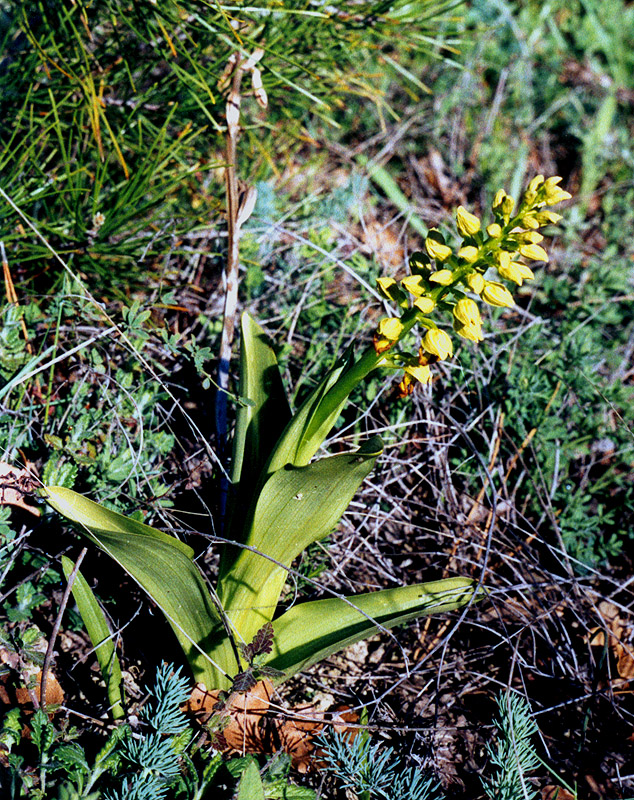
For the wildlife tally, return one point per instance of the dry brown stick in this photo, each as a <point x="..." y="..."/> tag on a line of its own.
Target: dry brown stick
<point x="58" y="622"/>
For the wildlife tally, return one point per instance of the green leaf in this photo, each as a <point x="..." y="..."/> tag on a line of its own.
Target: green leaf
<point x="310" y="632"/>
<point x="161" y="565"/>
<point x="310" y="425"/>
<point x="251" y="784"/>
<point x="97" y="627"/>
<point x="259" y="423"/>
<point x="296" y="507"/>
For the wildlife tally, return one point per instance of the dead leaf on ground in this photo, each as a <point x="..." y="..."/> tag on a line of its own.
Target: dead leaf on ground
<point x="617" y="629"/>
<point x="15" y="484"/>
<point x="552" y="792"/>
<point x="25" y="685"/>
<point x="247" y="724"/>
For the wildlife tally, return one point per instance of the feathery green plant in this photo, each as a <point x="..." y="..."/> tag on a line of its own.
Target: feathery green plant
<point x="514" y="755"/>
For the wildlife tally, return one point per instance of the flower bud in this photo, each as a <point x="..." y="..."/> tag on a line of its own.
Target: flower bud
<point x="438" y="343"/>
<point x="537" y="181"/>
<point x="507" y="207"/>
<point x="497" y="295"/>
<point x="534" y="252"/>
<point x="444" y="277"/>
<point x="475" y="282"/>
<point x="469" y="254"/>
<point x="494" y="230"/>
<point x="419" y="261"/>
<point x="498" y="200"/>
<point x="436" y="247"/>
<point x="468" y="224"/>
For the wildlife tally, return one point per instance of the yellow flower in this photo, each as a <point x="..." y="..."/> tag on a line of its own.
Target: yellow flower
<point x="469" y="254"/>
<point x="468" y="224"/>
<point x="529" y="237"/>
<point x="388" y="332"/>
<point x="515" y="271"/>
<point x="385" y="284"/>
<point x="475" y="282"/>
<point x="471" y="332"/>
<point x="444" y="277"/>
<point x="537" y="181"/>
<point x="553" y="193"/>
<point x="414" y="284"/>
<point x="494" y="230"/>
<point x="534" y="252"/>
<point x="425" y="304"/>
<point x="467" y="312"/>
<point x="497" y="295"/>
<point x="436" y="247"/>
<point x="546" y="216"/>
<point x="415" y="373"/>
<point x="467" y="321"/>
<point x="438" y="343"/>
<point x="498" y="199"/>
<point x="530" y="221"/>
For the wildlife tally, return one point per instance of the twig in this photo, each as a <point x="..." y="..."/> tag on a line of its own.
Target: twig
<point x="58" y="622"/>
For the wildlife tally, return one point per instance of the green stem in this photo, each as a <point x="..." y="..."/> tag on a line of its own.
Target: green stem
<point x="362" y="367"/>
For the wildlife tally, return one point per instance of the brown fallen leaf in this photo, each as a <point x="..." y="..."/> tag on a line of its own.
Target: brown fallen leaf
<point x="15" y="484"/>
<point x="245" y="723"/>
<point x="20" y="684"/>
<point x="616" y="629"/>
<point x="552" y="792"/>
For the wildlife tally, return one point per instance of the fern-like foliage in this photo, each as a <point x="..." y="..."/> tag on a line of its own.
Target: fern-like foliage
<point x="363" y="767"/>
<point x="515" y="755"/>
<point x="152" y="760"/>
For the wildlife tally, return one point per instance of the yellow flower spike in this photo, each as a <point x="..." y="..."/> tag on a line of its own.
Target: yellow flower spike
<point x="468" y="224"/>
<point x="425" y="304"/>
<point x="438" y="343"/>
<point x="469" y="254"/>
<point x="444" y="277"/>
<point x="436" y="247"/>
<point x="534" y="252"/>
<point x="414" y="284"/>
<point x="494" y="230"/>
<point x="467" y="312"/>
<point x="475" y="282"/>
<point x="497" y="295"/>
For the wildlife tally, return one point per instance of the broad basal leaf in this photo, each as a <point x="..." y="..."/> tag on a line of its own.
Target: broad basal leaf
<point x="161" y="565"/>
<point x="309" y="632"/>
<point x="297" y="506"/>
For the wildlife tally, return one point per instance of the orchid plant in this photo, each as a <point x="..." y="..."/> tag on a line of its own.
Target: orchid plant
<point x="284" y="496"/>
